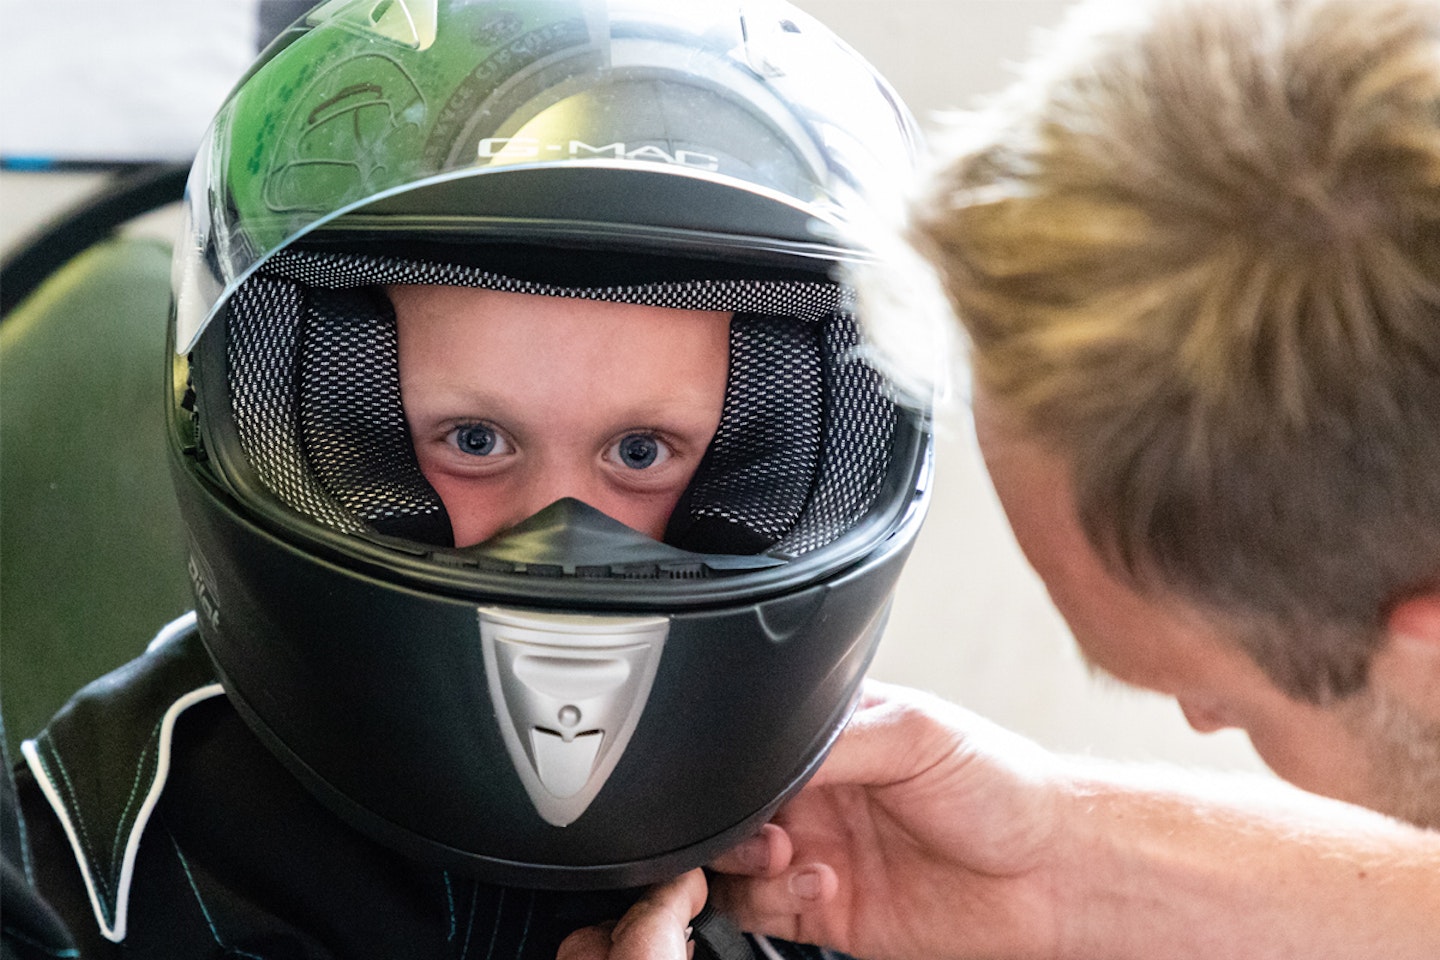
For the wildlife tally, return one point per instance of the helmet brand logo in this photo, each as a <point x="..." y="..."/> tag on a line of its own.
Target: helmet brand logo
<point x="568" y="692"/>
<point x="200" y="580"/>
<point x="530" y="148"/>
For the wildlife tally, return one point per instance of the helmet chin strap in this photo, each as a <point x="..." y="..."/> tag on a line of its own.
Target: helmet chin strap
<point x="571" y="535"/>
<point x="716" y="936"/>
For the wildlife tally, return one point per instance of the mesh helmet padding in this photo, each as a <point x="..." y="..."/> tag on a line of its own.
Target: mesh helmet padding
<point x="859" y="430"/>
<point x="262" y="349"/>
<point x="760" y="468"/>
<point x="352" y="424"/>
<point x="802" y="446"/>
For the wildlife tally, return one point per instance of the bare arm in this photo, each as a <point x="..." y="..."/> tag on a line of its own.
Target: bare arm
<point x="1174" y="865"/>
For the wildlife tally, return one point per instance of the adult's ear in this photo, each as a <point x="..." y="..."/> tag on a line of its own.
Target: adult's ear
<point x="1408" y="665"/>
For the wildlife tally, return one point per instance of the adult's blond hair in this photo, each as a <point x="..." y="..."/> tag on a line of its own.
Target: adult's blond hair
<point x="1197" y="253"/>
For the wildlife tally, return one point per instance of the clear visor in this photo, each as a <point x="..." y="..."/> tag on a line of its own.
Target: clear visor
<point x="667" y="124"/>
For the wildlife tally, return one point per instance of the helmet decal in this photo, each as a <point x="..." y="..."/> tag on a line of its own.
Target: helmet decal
<point x="346" y="146"/>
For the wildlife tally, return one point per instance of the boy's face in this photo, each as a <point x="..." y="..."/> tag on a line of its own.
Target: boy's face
<point x="515" y="401"/>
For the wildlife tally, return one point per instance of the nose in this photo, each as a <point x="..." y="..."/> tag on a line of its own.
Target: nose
<point x="556" y="483"/>
<point x="1204" y="718"/>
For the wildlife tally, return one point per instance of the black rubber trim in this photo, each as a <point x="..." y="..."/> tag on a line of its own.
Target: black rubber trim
<point x="717" y="937"/>
<point x="126" y="196"/>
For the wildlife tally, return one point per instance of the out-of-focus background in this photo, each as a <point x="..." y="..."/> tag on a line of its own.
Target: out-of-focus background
<point x="86" y="80"/>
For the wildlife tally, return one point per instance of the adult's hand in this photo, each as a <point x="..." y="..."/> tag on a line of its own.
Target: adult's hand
<point x="657" y="927"/>
<point x="931" y="833"/>
<point x="928" y="832"/>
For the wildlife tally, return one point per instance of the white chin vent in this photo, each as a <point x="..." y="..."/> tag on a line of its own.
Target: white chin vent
<point x="568" y="691"/>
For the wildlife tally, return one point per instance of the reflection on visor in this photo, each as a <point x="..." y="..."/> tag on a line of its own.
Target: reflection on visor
<point x="370" y="105"/>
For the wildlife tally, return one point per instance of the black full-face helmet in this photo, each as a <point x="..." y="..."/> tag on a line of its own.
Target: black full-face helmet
<point x="568" y="704"/>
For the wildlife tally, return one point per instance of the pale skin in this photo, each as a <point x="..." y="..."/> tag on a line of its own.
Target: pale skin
<point x="931" y="833"/>
<point x="515" y="401"/>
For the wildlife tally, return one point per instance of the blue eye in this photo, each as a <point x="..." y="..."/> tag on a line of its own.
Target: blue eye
<point x="476" y="439"/>
<point x="638" y="450"/>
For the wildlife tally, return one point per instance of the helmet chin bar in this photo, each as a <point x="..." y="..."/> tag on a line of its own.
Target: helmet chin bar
<point x="569" y="689"/>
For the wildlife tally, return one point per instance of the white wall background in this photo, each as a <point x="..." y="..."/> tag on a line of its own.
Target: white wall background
<point x="971" y="622"/>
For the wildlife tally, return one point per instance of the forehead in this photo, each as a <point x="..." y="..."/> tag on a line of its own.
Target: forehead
<point x="459" y="310"/>
<point x="544" y="353"/>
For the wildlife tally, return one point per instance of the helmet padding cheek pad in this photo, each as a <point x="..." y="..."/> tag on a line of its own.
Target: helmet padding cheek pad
<point x="801" y="449"/>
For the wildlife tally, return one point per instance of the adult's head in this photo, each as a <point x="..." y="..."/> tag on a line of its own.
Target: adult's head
<point x="1197" y="253"/>
<point x="568" y="702"/>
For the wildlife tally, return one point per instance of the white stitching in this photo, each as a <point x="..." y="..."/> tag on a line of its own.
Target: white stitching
<point x="115" y="932"/>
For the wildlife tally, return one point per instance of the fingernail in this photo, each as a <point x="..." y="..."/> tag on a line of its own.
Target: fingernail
<point x="806" y="884"/>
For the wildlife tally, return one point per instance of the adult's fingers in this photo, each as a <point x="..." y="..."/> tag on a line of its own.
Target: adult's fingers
<point x="896" y="734"/>
<point x="784" y="905"/>
<point x="591" y="943"/>
<point x="657" y="927"/>
<point x="765" y="854"/>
